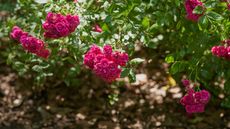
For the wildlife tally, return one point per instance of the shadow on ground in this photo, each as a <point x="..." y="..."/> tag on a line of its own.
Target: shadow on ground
<point x="150" y="103"/>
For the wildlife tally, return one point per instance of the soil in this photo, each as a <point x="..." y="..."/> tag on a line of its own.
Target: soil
<point x="152" y="102"/>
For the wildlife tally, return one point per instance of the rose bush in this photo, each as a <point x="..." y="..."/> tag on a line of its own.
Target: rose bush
<point x="187" y="33"/>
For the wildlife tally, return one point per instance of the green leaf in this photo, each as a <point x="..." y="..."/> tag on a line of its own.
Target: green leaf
<point x="198" y="10"/>
<point x="214" y="16"/>
<point x="178" y="67"/>
<point x="132" y="76"/>
<point x="136" y="61"/>
<point x="210" y="4"/>
<point x="177" y="2"/>
<point x="37" y="68"/>
<point x="19" y="65"/>
<point x="89" y="3"/>
<point x="145" y="22"/>
<point x="203" y="22"/>
<point x="226" y="103"/>
<point x="105" y="27"/>
<point x="206" y="74"/>
<point x="227" y="86"/>
<point x="67" y="82"/>
<point x="108" y="19"/>
<point x="197" y="119"/>
<point x="125" y="72"/>
<point x="169" y="59"/>
<point x="113" y="98"/>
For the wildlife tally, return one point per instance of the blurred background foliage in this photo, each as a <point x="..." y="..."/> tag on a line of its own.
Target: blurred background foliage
<point x="159" y="27"/>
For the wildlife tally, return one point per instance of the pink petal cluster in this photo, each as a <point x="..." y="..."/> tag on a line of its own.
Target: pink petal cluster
<point x="190" y="5"/>
<point x="221" y="51"/>
<point x="104" y="62"/>
<point x="186" y="82"/>
<point x="17" y="33"/>
<point x="57" y="25"/>
<point x="29" y="43"/>
<point x="195" y="102"/>
<point x="97" y="28"/>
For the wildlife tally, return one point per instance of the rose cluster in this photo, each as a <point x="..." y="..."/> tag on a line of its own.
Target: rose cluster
<point x="195" y="101"/>
<point x="104" y="62"/>
<point x="57" y="25"/>
<point x="222" y="51"/>
<point x="190" y="5"/>
<point x="30" y="43"/>
<point x="17" y="33"/>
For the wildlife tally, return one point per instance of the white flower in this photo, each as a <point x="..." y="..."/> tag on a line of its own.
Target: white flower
<point x="105" y="5"/>
<point x="103" y="15"/>
<point x="116" y="36"/>
<point x="155" y="40"/>
<point x="126" y="37"/>
<point x="160" y="37"/>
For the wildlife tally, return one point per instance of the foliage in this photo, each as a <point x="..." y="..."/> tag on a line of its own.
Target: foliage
<point x="156" y="24"/>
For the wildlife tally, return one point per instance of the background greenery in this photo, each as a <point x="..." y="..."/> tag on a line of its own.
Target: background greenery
<point x="160" y="26"/>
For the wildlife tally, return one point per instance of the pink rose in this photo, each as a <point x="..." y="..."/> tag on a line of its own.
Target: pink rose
<point x="107" y="70"/>
<point x="194" y="102"/>
<point x="186" y="82"/>
<point x="107" y="50"/>
<point x="57" y="25"/>
<point x="188" y="100"/>
<point x="97" y="28"/>
<point x="32" y="44"/>
<point x="95" y="49"/>
<point x="202" y="96"/>
<point x="102" y="62"/>
<point x="44" y="53"/>
<point x="16" y="33"/>
<point x="89" y="60"/>
<point x="51" y="31"/>
<point x="215" y="50"/>
<point x="222" y="51"/>
<point x="120" y="58"/>
<point x="190" y="5"/>
<point x="197" y="108"/>
<point x="54" y="18"/>
<point x="73" y="21"/>
<point x="62" y="29"/>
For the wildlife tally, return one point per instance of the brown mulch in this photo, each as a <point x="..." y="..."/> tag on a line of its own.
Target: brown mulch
<point x="150" y="103"/>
